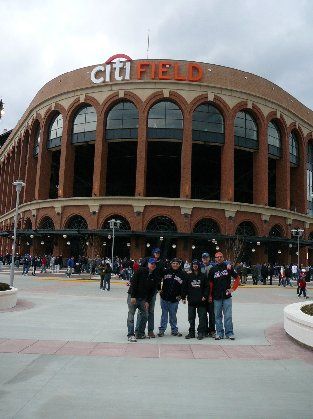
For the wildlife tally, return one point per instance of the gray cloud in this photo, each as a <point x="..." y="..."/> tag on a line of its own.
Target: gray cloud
<point x="40" y="40"/>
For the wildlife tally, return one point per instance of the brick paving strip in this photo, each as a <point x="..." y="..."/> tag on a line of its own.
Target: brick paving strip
<point x="280" y="347"/>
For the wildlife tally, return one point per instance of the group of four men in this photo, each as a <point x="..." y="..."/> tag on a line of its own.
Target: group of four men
<point x="207" y="288"/>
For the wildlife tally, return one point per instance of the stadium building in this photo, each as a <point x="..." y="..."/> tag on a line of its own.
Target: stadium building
<point x="187" y="156"/>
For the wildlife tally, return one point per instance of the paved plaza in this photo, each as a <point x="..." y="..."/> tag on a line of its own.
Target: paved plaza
<point x="64" y="354"/>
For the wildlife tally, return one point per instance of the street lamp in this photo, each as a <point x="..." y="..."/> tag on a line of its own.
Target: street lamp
<point x="18" y="186"/>
<point x="113" y="225"/>
<point x="297" y="232"/>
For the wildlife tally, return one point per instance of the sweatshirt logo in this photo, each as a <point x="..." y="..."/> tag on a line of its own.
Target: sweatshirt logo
<point x="218" y="274"/>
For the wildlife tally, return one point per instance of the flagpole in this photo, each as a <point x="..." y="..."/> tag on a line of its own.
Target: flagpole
<point x="148" y="42"/>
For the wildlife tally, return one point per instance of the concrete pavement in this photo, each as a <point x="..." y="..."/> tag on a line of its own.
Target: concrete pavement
<point x="64" y="354"/>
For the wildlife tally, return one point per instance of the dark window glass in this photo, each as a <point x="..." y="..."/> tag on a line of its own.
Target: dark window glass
<point x="161" y="223"/>
<point x="274" y="140"/>
<point x="55" y="132"/>
<point x="207" y="124"/>
<point x="85" y="125"/>
<point x="293" y="149"/>
<point x="246" y="131"/>
<point x="122" y="122"/>
<point x="276" y="231"/>
<point x="37" y="142"/>
<point x="165" y="121"/>
<point x="245" y="229"/>
<point x="77" y="222"/>
<point x="46" y="224"/>
<point x="206" y="225"/>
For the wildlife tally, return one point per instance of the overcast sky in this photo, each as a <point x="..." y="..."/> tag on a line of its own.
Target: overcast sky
<point x="42" y="39"/>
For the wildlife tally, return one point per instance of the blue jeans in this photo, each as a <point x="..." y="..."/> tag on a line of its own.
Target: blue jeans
<point x="223" y="308"/>
<point x="131" y="314"/>
<point x="169" y="311"/>
<point x="150" y="316"/>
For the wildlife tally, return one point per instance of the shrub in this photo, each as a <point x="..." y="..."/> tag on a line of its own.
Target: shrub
<point x="4" y="286"/>
<point x="308" y="309"/>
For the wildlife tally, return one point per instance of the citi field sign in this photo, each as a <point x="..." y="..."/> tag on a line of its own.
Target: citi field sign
<point x="118" y="68"/>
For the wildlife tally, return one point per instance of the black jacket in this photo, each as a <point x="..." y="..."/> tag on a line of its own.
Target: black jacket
<point x="172" y="287"/>
<point x="220" y="280"/>
<point x="195" y="287"/>
<point x="144" y="284"/>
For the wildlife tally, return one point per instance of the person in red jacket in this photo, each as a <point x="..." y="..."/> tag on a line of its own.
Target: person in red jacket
<point x="221" y="290"/>
<point x="302" y="284"/>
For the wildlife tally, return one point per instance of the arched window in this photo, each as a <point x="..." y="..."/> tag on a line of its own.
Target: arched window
<point x="208" y="226"/>
<point x="293" y="149"/>
<point x="310" y="177"/>
<point x="161" y="223"/>
<point x="55" y="132"/>
<point x="274" y="140"/>
<point x="124" y="226"/>
<point x="46" y="224"/>
<point x="37" y="141"/>
<point x="122" y="122"/>
<point x="28" y="224"/>
<point x="245" y="229"/>
<point x="246" y="131"/>
<point x="77" y="222"/>
<point x="84" y="125"/>
<point x="276" y="231"/>
<point x="208" y="124"/>
<point x="165" y="121"/>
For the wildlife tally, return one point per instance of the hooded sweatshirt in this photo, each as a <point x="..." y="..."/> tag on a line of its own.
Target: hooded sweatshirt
<point x="172" y="286"/>
<point x="195" y="287"/>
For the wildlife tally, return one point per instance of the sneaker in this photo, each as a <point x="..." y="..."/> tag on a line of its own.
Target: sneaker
<point x="231" y="337"/>
<point x="141" y="337"/>
<point x="160" y="334"/>
<point x="176" y="334"/>
<point x="190" y="336"/>
<point x="212" y="335"/>
<point x="151" y="335"/>
<point x="132" y="339"/>
<point x="200" y="336"/>
<point x="218" y="337"/>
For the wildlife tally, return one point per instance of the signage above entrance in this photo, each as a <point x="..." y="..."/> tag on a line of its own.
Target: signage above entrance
<point x="119" y="68"/>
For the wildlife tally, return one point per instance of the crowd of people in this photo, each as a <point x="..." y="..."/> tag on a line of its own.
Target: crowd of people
<point x="204" y="284"/>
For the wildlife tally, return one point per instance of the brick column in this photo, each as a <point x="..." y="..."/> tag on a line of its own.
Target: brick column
<point x="43" y="167"/>
<point x="186" y="159"/>
<point x="8" y="188"/>
<point x="227" y="162"/>
<point x="17" y="153"/>
<point x="260" y="169"/>
<point x="283" y="175"/>
<point x="66" y="173"/>
<point x="100" y="160"/>
<point x="142" y="148"/>
<point x="3" y="175"/>
<point x="23" y="163"/>
<point x="31" y="167"/>
<point x="299" y="181"/>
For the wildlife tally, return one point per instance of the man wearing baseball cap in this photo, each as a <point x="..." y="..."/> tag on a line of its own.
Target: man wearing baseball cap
<point x="143" y="287"/>
<point x="171" y="292"/>
<point x="159" y="270"/>
<point x="210" y="323"/>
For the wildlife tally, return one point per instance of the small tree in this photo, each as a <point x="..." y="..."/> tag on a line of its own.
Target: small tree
<point x="234" y="248"/>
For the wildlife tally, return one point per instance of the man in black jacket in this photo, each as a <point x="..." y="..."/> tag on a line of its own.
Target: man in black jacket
<point x="141" y="291"/>
<point x="221" y="290"/>
<point x="159" y="270"/>
<point x="196" y="288"/>
<point x="171" y="293"/>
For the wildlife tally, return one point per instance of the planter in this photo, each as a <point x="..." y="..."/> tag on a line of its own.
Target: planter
<point x="8" y="298"/>
<point x="298" y="324"/>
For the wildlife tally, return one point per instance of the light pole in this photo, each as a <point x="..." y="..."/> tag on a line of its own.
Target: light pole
<point x="18" y="186"/>
<point x="113" y="225"/>
<point x="297" y="232"/>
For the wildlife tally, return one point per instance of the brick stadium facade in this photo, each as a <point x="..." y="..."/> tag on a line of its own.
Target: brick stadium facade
<point x="186" y="155"/>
